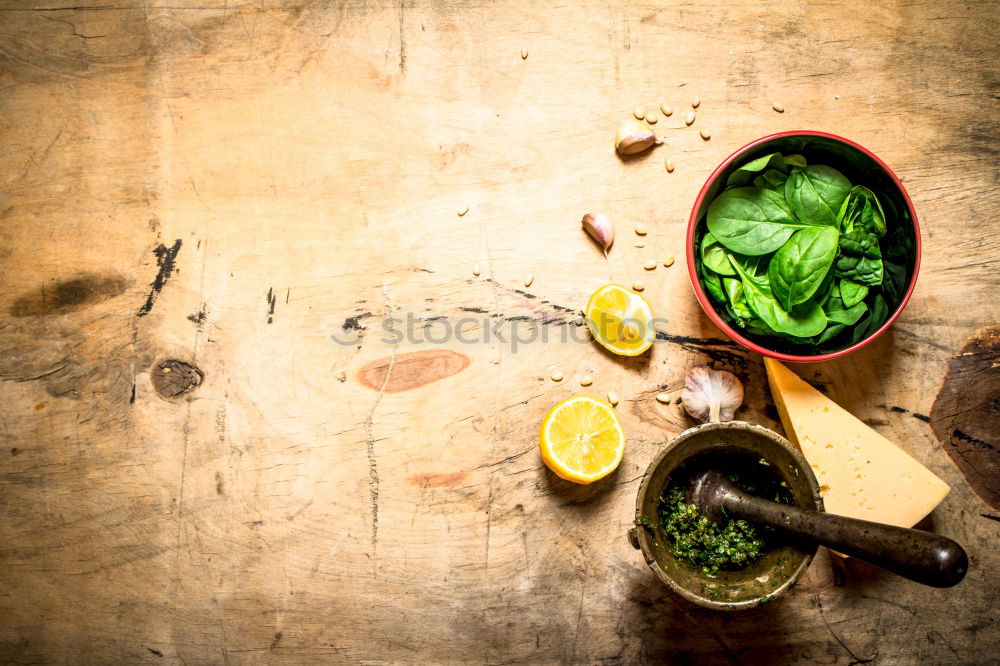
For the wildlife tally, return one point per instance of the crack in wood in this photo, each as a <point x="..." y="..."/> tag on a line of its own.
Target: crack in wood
<point x="369" y="426"/>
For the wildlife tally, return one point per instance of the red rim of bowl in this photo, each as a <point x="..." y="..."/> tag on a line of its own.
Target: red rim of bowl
<point x="706" y="304"/>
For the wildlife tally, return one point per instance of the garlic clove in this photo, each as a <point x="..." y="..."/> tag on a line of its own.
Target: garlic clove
<point x="634" y="136"/>
<point x="598" y="225"/>
<point x="711" y="395"/>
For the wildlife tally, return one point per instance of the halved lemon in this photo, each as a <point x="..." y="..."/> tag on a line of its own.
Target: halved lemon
<point x="581" y="440"/>
<point x="620" y="320"/>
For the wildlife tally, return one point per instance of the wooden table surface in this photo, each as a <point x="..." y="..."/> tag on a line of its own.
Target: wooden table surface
<point x="245" y="194"/>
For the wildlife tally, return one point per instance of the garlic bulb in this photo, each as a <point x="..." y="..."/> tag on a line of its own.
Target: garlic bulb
<point x="598" y="225"/>
<point x="711" y="395"/>
<point x="634" y="136"/>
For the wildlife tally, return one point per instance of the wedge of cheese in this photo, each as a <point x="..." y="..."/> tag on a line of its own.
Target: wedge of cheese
<point x="861" y="473"/>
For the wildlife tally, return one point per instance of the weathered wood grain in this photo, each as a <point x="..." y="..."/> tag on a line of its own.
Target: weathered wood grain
<point x="254" y="190"/>
<point x="966" y="411"/>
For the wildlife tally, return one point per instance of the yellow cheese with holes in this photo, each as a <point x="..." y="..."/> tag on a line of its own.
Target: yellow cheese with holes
<point x="861" y="473"/>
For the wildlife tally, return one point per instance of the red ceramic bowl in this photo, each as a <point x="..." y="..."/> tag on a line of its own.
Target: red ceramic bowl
<point x="860" y="165"/>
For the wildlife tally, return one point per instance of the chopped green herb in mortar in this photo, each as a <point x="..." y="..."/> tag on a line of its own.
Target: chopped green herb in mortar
<point x="702" y="542"/>
<point x="645" y="522"/>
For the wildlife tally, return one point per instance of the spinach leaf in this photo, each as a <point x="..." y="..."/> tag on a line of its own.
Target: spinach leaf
<point x="773" y="162"/>
<point x="751" y="221"/>
<point x="872" y="321"/>
<point x="832" y="331"/>
<point x="862" y="208"/>
<point x="849" y="211"/>
<point x="734" y="291"/>
<point x="744" y="174"/>
<point x="852" y="292"/>
<point x="772" y="179"/>
<point x="897" y="256"/>
<point x="860" y="257"/>
<point x="803" y="321"/>
<point x="758" y="327"/>
<point x="755" y="265"/>
<point x="838" y="313"/>
<point x="899" y="248"/>
<point x="872" y="215"/>
<point x="714" y="256"/>
<point x="846" y="316"/>
<point x="861" y="329"/>
<point x="864" y="270"/>
<point x="734" y="317"/>
<point x="880" y="311"/>
<point x="816" y="193"/>
<point x="825" y="289"/>
<point x="893" y="280"/>
<point x="712" y="284"/>
<point x="795" y="161"/>
<point x="800" y="266"/>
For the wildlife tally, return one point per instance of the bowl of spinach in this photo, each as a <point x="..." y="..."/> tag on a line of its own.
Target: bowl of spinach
<point x="803" y="246"/>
